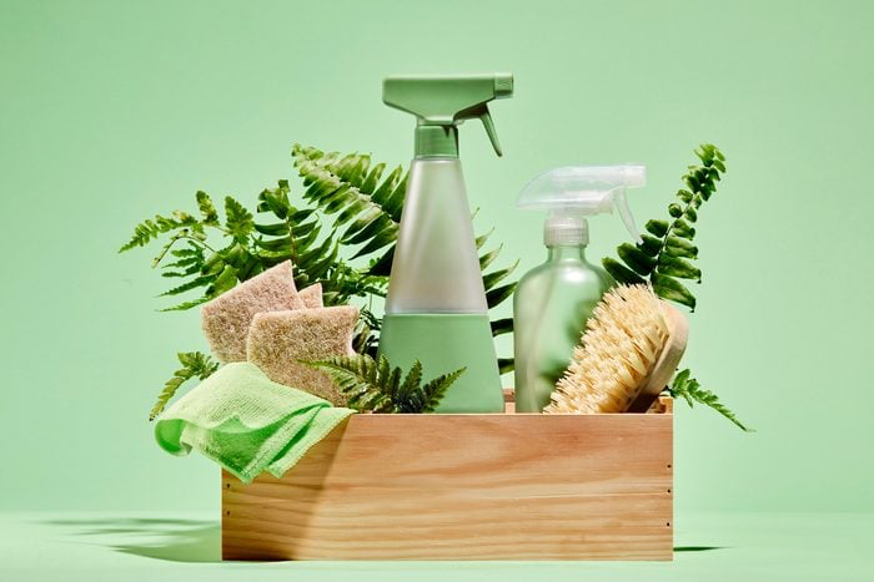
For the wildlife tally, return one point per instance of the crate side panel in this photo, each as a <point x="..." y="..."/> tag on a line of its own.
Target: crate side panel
<point x="465" y="487"/>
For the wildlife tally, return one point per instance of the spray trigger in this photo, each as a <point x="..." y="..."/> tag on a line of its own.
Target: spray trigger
<point x="625" y="214"/>
<point x="486" y="118"/>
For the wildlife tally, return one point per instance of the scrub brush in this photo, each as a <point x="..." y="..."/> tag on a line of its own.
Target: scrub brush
<point x="631" y="348"/>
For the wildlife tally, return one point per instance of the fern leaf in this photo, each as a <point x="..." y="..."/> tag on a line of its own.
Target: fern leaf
<point x="239" y="221"/>
<point x="665" y="254"/>
<point x="207" y="208"/>
<point x="434" y="390"/>
<point x="194" y="364"/>
<point x="185" y="305"/>
<point x="376" y="387"/>
<point x="502" y="326"/>
<point x="335" y="185"/>
<point x="498" y="295"/>
<point x="495" y="277"/>
<point x="151" y="229"/>
<point x="193" y="284"/>
<point x="688" y="388"/>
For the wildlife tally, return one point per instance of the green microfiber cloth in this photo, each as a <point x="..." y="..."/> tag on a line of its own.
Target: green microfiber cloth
<point x="247" y="423"/>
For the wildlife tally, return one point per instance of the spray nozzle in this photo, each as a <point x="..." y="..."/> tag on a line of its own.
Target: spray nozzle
<point x="573" y="192"/>
<point x="441" y="104"/>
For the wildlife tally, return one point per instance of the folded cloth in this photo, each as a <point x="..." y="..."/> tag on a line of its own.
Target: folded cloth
<point x="247" y="423"/>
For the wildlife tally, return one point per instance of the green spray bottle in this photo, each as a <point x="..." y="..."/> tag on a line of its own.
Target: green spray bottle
<point x="436" y="309"/>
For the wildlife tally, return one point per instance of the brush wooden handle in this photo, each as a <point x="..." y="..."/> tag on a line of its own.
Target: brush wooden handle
<point x="666" y="365"/>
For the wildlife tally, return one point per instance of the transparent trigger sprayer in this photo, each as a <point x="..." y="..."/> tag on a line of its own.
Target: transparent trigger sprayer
<point x="553" y="300"/>
<point x="436" y="310"/>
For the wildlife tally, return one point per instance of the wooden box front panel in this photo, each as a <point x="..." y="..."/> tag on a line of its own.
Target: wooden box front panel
<point x="465" y="487"/>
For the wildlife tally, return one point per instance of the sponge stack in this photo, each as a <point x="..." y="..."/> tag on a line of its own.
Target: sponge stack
<point x="266" y="321"/>
<point x="226" y="319"/>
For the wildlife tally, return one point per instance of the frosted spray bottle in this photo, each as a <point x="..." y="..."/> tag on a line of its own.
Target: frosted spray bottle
<point x="436" y="309"/>
<point x="553" y="301"/>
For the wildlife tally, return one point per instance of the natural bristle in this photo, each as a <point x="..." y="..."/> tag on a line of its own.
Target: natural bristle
<point x="622" y="343"/>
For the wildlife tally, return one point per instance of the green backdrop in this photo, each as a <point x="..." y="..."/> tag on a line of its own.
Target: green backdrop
<point x="111" y="111"/>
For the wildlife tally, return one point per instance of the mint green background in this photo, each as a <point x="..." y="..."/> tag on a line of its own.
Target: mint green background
<point x="110" y="111"/>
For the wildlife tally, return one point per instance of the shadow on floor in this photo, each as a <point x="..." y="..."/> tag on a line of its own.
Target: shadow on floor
<point x="697" y="548"/>
<point x="174" y="540"/>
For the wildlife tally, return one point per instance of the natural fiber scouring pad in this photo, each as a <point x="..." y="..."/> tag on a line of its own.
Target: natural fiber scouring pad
<point x="280" y="340"/>
<point x="312" y="296"/>
<point x="226" y="319"/>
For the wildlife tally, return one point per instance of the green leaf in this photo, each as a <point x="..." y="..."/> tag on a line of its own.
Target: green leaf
<point x="676" y="267"/>
<point x="690" y="390"/>
<point x="690" y="214"/>
<point x="194" y="364"/>
<point x="435" y="389"/>
<point x="682" y="229"/>
<point x="185" y="306"/>
<point x="207" y="208"/>
<point x="621" y="273"/>
<point x="202" y="281"/>
<point x="239" y="221"/>
<point x="669" y="288"/>
<point x="376" y="387"/>
<point x="658" y="228"/>
<point x="637" y="260"/>
<point x="226" y="281"/>
<point x="651" y="245"/>
<point x="498" y="295"/>
<point x="679" y="247"/>
<point x="506" y="365"/>
<point x="492" y="279"/>
<point x="502" y="326"/>
<point x="488" y="258"/>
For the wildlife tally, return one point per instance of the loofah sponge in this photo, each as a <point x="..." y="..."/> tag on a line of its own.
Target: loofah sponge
<point x="226" y="319"/>
<point x="312" y="296"/>
<point x="632" y="340"/>
<point x="279" y="340"/>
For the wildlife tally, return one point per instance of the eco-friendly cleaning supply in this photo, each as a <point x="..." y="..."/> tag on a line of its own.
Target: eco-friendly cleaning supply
<point x="436" y="308"/>
<point x="553" y="301"/>
<point x="312" y="296"/>
<point x="226" y="319"/>
<point x="245" y="422"/>
<point x="279" y="341"/>
<point x="631" y="348"/>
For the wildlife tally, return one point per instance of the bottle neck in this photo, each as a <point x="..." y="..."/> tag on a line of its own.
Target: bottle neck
<point x="566" y="253"/>
<point x="436" y="141"/>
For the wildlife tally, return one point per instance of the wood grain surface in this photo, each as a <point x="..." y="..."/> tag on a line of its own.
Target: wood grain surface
<point x="465" y="487"/>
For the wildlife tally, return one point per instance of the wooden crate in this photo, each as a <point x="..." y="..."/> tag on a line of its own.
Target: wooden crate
<point x="466" y="487"/>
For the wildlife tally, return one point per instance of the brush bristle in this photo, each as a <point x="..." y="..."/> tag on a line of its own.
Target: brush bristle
<point x="623" y="340"/>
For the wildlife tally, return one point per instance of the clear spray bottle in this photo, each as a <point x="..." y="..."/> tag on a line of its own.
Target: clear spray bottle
<point x="553" y="300"/>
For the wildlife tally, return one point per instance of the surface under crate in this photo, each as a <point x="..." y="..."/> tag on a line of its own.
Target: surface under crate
<point x="465" y="487"/>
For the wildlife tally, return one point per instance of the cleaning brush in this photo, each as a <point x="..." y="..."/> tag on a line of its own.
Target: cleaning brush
<point x="631" y="347"/>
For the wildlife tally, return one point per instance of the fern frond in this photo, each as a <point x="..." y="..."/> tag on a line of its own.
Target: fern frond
<point x="151" y="229"/>
<point x="665" y="254"/>
<point x="688" y="388"/>
<point x="376" y="387"/>
<point x="347" y="187"/>
<point x="194" y="364"/>
<point x="239" y="221"/>
<point x="207" y="208"/>
<point x="433" y="391"/>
